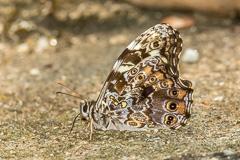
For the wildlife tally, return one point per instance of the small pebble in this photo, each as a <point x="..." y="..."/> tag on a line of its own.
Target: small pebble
<point x="228" y="152"/>
<point x="148" y="135"/>
<point x="221" y="83"/>
<point x="34" y="72"/>
<point x="207" y="103"/>
<point x="190" y="56"/>
<point x="219" y="98"/>
<point x="67" y="153"/>
<point x="23" y="48"/>
<point x="125" y="158"/>
<point x="20" y="102"/>
<point x="53" y="42"/>
<point x="179" y="21"/>
<point x="42" y="44"/>
<point x="63" y="77"/>
<point x="6" y="106"/>
<point x="26" y="25"/>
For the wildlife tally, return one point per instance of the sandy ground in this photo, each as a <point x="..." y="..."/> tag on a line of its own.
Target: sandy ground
<point x="35" y="122"/>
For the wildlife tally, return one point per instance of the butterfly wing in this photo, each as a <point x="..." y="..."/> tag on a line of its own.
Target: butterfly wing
<point x="160" y="40"/>
<point x="138" y="91"/>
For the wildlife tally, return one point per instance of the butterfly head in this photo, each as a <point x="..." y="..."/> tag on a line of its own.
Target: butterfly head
<point x="85" y="108"/>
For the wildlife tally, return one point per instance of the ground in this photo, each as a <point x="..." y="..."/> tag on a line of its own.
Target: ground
<point x="35" y="122"/>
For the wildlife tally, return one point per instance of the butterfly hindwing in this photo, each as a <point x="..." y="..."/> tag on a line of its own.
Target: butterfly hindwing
<point x="150" y="100"/>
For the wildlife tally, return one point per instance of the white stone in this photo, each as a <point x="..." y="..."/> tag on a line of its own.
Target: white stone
<point x="67" y="153"/>
<point x="42" y="44"/>
<point x="190" y="56"/>
<point x="23" y="48"/>
<point x="34" y="72"/>
<point x="53" y="42"/>
<point x="228" y="152"/>
<point x="148" y="135"/>
<point x="219" y="98"/>
<point x="25" y="25"/>
<point x="221" y="83"/>
<point x="63" y="77"/>
<point x="6" y="106"/>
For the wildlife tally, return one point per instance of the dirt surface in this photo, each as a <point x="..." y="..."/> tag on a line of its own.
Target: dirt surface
<point x="35" y="122"/>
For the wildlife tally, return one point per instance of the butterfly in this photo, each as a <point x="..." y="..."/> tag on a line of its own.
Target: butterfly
<point x="144" y="91"/>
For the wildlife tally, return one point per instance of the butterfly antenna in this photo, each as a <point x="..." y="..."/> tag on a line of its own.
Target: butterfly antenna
<point x="80" y="96"/>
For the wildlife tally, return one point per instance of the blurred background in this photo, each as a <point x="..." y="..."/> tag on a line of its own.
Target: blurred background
<point x="76" y="42"/>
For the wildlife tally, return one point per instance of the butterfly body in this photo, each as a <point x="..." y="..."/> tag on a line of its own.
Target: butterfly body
<point x="144" y="90"/>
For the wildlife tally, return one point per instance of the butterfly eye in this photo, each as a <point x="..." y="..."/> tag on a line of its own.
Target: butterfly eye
<point x="169" y="120"/>
<point x="134" y="71"/>
<point x="174" y="93"/>
<point x="140" y="77"/>
<point x="164" y="84"/>
<point x="152" y="79"/>
<point x="172" y="106"/>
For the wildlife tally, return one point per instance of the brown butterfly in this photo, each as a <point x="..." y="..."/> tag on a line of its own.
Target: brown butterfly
<point x="144" y="91"/>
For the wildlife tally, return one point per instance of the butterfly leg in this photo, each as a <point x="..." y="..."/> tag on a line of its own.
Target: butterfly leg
<point x="110" y="120"/>
<point x="91" y="128"/>
<point x="88" y="125"/>
<point x="74" y="122"/>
